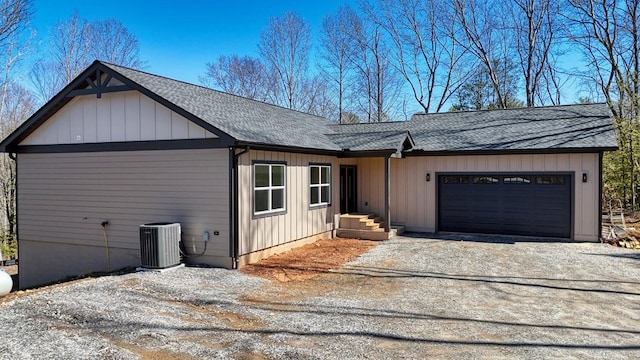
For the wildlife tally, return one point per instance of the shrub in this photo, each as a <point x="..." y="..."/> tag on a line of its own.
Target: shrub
<point x="8" y="247"/>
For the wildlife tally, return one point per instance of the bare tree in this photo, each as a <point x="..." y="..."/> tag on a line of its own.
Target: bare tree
<point x="422" y="34"/>
<point x="608" y="33"/>
<point x="14" y="16"/>
<point x="18" y="105"/>
<point x="375" y="80"/>
<point x="46" y="79"/>
<point x="243" y="76"/>
<point x="15" y="103"/>
<point x="335" y="52"/>
<point x="484" y="25"/>
<point x="112" y="42"/>
<point x="74" y="44"/>
<point x="70" y="47"/>
<point x="478" y="93"/>
<point x="535" y="27"/>
<point x="316" y="99"/>
<point x="284" y="45"/>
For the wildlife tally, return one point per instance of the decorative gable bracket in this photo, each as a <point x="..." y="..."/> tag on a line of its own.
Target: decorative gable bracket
<point x="99" y="86"/>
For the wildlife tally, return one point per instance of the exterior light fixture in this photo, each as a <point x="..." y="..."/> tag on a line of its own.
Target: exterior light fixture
<point x="584" y="177"/>
<point x="428" y="176"/>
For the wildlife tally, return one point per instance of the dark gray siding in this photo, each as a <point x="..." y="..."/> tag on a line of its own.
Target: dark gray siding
<point x="63" y="198"/>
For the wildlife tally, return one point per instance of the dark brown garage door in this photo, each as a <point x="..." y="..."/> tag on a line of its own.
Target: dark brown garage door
<point x="512" y="204"/>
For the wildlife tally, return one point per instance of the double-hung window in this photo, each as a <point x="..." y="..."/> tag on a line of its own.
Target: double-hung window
<point x="268" y="188"/>
<point x="320" y="185"/>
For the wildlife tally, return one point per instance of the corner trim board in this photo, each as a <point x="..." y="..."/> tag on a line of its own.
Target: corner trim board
<point x="600" y="179"/>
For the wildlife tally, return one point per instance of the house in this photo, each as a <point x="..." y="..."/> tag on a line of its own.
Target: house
<point x="126" y="147"/>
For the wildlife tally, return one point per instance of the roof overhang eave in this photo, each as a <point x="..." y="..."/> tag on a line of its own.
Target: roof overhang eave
<point x="287" y="148"/>
<point x="586" y="150"/>
<point x="394" y="153"/>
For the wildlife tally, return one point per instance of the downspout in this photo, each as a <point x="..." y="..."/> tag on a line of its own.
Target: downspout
<point x="387" y="192"/>
<point x="233" y="203"/>
<point x="600" y="176"/>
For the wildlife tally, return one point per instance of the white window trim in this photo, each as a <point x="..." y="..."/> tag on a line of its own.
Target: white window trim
<point x="320" y="185"/>
<point x="270" y="189"/>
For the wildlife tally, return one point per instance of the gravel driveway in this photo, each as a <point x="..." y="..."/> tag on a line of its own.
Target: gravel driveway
<point x="410" y="297"/>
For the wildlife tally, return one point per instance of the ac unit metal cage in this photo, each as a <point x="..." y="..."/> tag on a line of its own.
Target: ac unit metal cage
<point x="160" y="245"/>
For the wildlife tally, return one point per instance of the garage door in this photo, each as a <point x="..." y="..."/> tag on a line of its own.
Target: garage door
<point x="512" y="204"/>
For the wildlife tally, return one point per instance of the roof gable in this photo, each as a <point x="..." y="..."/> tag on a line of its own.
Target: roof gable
<point x="97" y="79"/>
<point x="396" y="141"/>
<point x="241" y="121"/>
<point x="114" y="117"/>
<point x="246" y="120"/>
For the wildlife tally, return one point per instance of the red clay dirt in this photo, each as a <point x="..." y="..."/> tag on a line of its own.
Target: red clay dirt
<point x="309" y="261"/>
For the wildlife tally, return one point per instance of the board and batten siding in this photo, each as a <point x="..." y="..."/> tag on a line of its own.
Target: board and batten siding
<point x="299" y="221"/>
<point x="64" y="197"/>
<point x="115" y="117"/>
<point x="414" y="200"/>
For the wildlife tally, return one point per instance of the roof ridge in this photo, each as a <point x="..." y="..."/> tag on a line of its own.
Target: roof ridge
<point x="375" y="122"/>
<point x="370" y="132"/>
<point x="507" y="109"/>
<point x="211" y="89"/>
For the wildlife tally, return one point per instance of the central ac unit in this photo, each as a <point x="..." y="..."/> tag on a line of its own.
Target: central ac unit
<point x="160" y="245"/>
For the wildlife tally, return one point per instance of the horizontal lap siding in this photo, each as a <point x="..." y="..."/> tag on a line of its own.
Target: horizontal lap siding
<point x="63" y="198"/>
<point x="413" y="199"/>
<point x="299" y="221"/>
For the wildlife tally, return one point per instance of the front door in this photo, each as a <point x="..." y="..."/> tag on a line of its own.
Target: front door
<point x="348" y="189"/>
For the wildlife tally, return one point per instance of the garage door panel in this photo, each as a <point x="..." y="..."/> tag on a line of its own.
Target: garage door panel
<point x="515" y="204"/>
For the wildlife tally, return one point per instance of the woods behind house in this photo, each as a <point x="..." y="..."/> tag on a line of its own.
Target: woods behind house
<point x="377" y="60"/>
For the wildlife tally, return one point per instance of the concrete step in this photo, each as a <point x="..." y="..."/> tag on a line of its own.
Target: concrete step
<point x="372" y="226"/>
<point x="352" y="221"/>
<point x="360" y="222"/>
<point x="377" y="235"/>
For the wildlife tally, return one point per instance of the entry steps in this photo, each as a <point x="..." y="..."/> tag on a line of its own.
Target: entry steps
<point x="366" y="227"/>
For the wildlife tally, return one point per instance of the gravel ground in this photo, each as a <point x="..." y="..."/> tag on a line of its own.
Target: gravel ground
<point x="410" y="297"/>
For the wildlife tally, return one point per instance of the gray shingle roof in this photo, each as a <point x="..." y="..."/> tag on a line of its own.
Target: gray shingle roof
<point x="243" y="119"/>
<point x="569" y="127"/>
<point x="555" y="127"/>
<point x="369" y="141"/>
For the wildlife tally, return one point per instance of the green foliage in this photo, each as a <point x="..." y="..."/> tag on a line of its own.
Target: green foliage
<point x="479" y="93"/>
<point x="8" y="246"/>
<point x="621" y="178"/>
<point x="613" y="176"/>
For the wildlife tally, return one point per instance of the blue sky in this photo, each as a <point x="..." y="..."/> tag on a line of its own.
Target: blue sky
<point x="177" y="38"/>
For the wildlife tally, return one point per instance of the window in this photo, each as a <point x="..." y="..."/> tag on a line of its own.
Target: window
<point x="456" y="180"/>
<point x="517" y="180"/>
<point x="550" y="180"/>
<point x="320" y="184"/>
<point x="485" y="180"/>
<point x="268" y="188"/>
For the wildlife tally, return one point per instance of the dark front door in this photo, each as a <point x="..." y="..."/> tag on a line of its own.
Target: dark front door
<point x="513" y="204"/>
<point x="348" y="189"/>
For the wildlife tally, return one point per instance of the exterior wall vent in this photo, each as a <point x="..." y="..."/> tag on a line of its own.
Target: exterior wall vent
<point x="160" y="245"/>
